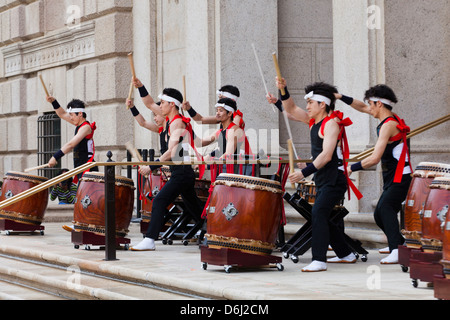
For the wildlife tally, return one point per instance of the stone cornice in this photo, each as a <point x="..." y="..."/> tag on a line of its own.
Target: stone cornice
<point x="69" y="46"/>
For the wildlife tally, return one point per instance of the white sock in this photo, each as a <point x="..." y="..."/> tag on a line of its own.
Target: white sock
<point x="392" y="258"/>
<point x="315" y="266"/>
<point x="147" y="244"/>
<point x="348" y="259"/>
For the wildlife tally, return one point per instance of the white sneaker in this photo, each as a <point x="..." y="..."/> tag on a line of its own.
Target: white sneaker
<point x="315" y="266"/>
<point x="384" y="250"/>
<point x="145" y="245"/>
<point x="392" y="258"/>
<point x="351" y="258"/>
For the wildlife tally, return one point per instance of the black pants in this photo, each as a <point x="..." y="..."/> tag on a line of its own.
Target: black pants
<point x="389" y="205"/>
<point x="325" y="233"/>
<point x="181" y="183"/>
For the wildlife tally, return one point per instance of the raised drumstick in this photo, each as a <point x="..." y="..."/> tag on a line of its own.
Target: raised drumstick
<point x="43" y="85"/>
<point x="133" y="70"/>
<point x="277" y="68"/>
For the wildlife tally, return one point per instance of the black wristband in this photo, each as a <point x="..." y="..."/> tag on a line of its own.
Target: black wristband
<point x="309" y="170"/>
<point x="58" y="155"/>
<point x="134" y="111"/>
<point x="286" y="94"/>
<point x="357" y="167"/>
<point x="155" y="167"/>
<point x="56" y="105"/>
<point x="279" y="105"/>
<point x="143" y="92"/>
<point x="347" y="100"/>
<point x="192" y="112"/>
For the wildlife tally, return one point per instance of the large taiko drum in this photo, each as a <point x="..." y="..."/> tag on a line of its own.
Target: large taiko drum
<point x="89" y="210"/>
<point x="446" y="247"/>
<point x="435" y="213"/>
<point x="416" y="198"/>
<point x="244" y="214"/>
<point x="27" y="211"/>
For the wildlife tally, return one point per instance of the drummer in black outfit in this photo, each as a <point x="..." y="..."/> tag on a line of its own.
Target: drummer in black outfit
<point x="392" y="151"/>
<point x="82" y="143"/>
<point x="331" y="182"/>
<point x="182" y="181"/>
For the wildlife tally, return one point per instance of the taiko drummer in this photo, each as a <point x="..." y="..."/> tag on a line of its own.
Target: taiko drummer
<point x="331" y="182"/>
<point x="82" y="144"/>
<point x="178" y="137"/>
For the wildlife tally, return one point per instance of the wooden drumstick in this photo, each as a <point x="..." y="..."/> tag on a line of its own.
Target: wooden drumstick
<point x="184" y="93"/>
<point x="133" y="70"/>
<point x="134" y="152"/>
<point x="291" y="158"/>
<point x="37" y="168"/>
<point x="43" y="85"/>
<point x="130" y="94"/>
<point x="277" y="68"/>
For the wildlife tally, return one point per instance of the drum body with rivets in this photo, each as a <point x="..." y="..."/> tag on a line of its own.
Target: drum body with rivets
<point x="30" y="210"/>
<point x="244" y="213"/>
<point x="89" y="210"/>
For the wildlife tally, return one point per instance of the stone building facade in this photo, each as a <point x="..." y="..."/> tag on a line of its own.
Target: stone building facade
<point x="80" y="49"/>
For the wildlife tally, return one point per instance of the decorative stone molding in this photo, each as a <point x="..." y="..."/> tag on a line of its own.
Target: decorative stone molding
<point x="66" y="47"/>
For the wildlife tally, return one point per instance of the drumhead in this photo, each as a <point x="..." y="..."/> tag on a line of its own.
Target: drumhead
<point x="25" y="177"/>
<point x="432" y="169"/>
<point x="248" y="182"/>
<point x="100" y="177"/>
<point x="441" y="183"/>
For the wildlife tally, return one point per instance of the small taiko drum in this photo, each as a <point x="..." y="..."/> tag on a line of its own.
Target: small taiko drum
<point x="435" y="214"/>
<point x="416" y="198"/>
<point x="89" y="210"/>
<point x="27" y="211"/>
<point x="446" y="247"/>
<point x="307" y="190"/>
<point x="244" y="214"/>
<point x="152" y="187"/>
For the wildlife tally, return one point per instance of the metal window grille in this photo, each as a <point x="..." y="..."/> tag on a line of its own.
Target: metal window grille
<point x="49" y="141"/>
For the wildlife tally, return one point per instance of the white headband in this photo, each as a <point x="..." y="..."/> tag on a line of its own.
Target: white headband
<point x="227" y="95"/>
<point x="317" y="97"/>
<point x="223" y="105"/>
<point x="169" y="99"/>
<point x="76" y="110"/>
<point x="385" y="101"/>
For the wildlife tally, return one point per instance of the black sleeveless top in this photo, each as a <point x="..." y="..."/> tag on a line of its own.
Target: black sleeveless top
<point x="164" y="138"/>
<point x="327" y="175"/>
<point x="84" y="151"/>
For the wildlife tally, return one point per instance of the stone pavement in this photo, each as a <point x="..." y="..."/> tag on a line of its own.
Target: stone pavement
<point x="180" y="267"/>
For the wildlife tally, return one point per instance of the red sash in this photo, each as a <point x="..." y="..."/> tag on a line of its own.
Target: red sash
<point x="346" y="151"/>
<point x="88" y="137"/>
<point x="404" y="130"/>
<point x="189" y="130"/>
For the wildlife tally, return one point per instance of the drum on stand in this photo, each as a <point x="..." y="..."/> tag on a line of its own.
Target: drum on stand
<point x="244" y="213"/>
<point x="435" y="214"/>
<point x="89" y="210"/>
<point x="29" y="211"/>
<point x="446" y="247"/>
<point x="152" y="187"/>
<point x="416" y="198"/>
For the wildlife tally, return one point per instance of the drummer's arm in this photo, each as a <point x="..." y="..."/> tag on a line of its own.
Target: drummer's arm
<point x="140" y="119"/>
<point x="59" y="111"/>
<point x="147" y="99"/>
<point x="69" y="146"/>
<point x="289" y="105"/>
<point x="198" y="118"/>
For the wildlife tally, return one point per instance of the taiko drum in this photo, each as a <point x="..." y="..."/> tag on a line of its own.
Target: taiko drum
<point x="152" y="187"/>
<point x="89" y="210"/>
<point x="446" y="247"/>
<point x="435" y="213"/>
<point x="244" y="213"/>
<point x="416" y="198"/>
<point x="30" y="210"/>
